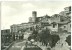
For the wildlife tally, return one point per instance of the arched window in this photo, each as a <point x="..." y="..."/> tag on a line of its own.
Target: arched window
<point x="54" y="24"/>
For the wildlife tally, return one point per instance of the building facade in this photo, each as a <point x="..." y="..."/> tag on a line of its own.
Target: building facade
<point x="6" y="37"/>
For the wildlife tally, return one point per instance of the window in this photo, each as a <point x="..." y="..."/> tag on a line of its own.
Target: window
<point x="6" y="31"/>
<point x="70" y="25"/>
<point x="62" y="20"/>
<point x="53" y="25"/>
<point x="31" y="28"/>
<point x="64" y="26"/>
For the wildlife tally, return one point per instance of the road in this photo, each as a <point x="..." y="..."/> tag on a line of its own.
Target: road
<point x="18" y="46"/>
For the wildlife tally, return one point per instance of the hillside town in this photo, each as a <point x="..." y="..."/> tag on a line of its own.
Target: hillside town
<point x="40" y="33"/>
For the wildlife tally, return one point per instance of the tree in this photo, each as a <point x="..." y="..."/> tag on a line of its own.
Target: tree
<point x="33" y="35"/>
<point x="44" y="36"/>
<point x="68" y="40"/>
<point x="55" y="38"/>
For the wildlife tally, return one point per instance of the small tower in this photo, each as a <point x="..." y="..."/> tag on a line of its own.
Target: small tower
<point x="30" y="19"/>
<point x="34" y="15"/>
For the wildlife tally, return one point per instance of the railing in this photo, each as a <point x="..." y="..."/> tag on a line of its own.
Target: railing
<point x="9" y="46"/>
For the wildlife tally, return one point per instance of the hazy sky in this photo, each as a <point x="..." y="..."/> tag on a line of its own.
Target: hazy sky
<point x="19" y="12"/>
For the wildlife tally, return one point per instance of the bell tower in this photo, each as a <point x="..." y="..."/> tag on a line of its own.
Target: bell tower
<point x="34" y="15"/>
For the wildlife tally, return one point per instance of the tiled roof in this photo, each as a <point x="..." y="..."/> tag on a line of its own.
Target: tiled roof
<point x="65" y="22"/>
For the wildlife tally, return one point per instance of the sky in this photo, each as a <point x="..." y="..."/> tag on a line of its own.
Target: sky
<point x="17" y="12"/>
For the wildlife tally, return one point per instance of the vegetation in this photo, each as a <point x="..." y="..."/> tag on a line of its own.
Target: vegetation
<point x="55" y="38"/>
<point x="68" y="40"/>
<point x="45" y="37"/>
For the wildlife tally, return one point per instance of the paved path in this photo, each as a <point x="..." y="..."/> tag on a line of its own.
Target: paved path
<point x="17" y="46"/>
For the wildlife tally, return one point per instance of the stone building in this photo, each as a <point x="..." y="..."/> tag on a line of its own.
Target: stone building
<point x="56" y="22"/>
<point x="5" y="37"/>
<point x="66" y="19"/>
<point x="66" y="12"/>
